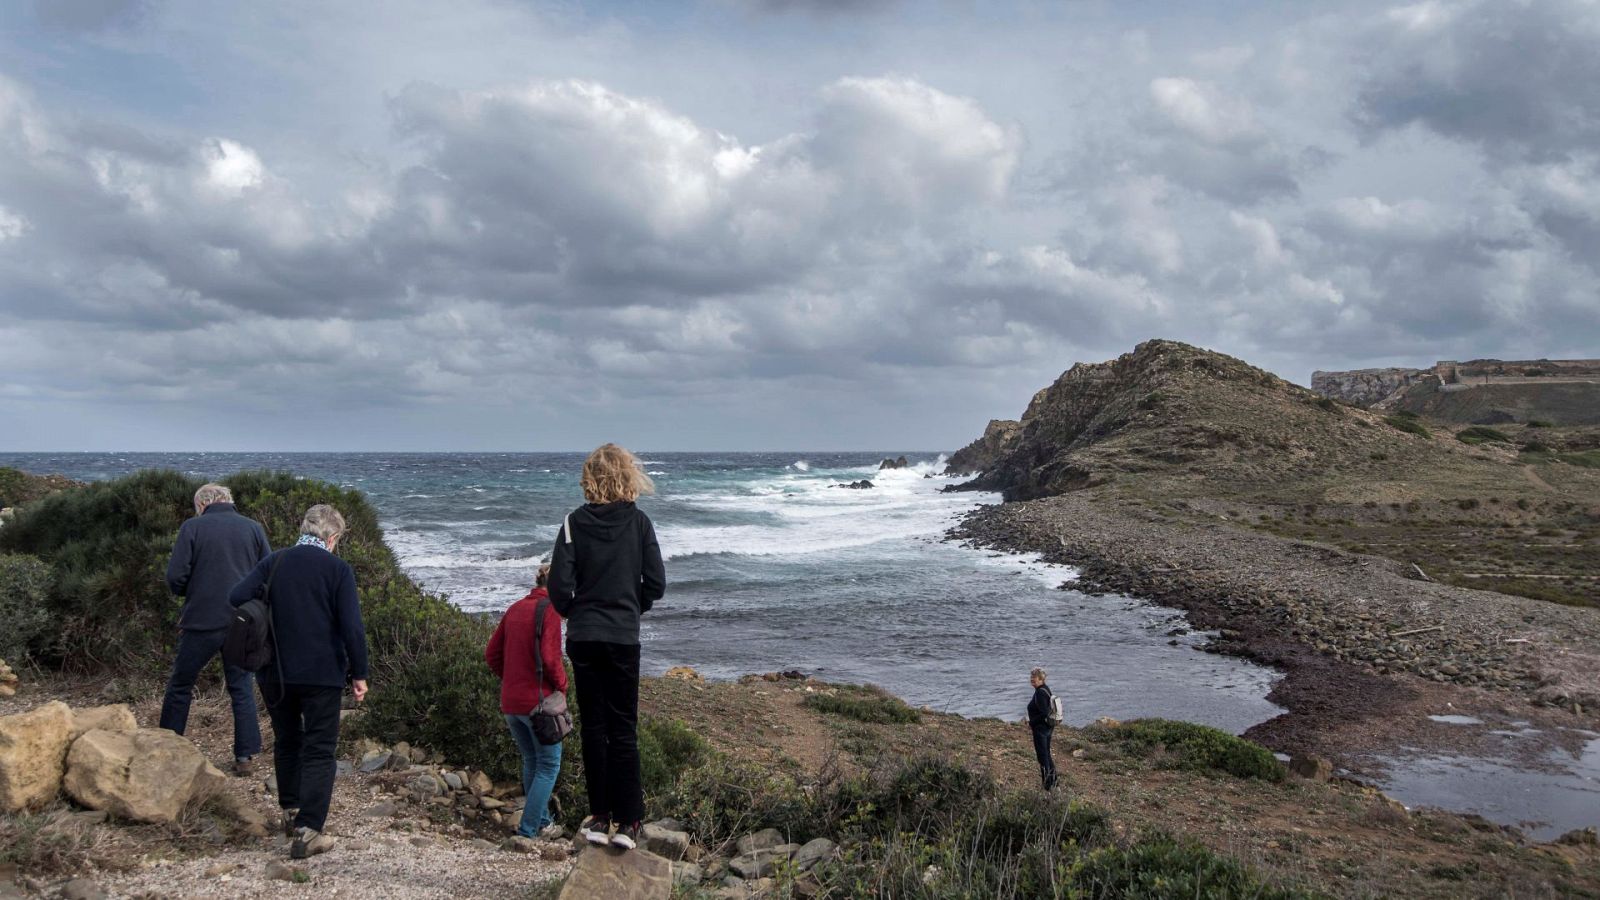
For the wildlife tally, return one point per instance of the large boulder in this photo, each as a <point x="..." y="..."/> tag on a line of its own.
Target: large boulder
<point x="116" y="717"/>
<point x="148" y="775"/>
<point x="33" y="750"/>
<point x="618" y="875"/>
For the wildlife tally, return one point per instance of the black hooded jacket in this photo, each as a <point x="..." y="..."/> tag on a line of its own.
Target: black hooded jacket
<point x="606" y="572"/>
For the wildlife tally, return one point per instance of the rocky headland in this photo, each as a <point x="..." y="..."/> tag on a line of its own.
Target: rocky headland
<point x="1346" y="547"/>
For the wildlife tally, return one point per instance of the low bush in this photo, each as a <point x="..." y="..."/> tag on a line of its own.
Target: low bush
<point x="1482" y="434"/>
<point x="1328" y="403"/>
<point x="1540" y="423"/>
<point x="1408" y="423"/>
<point x="51" y="842"/>
<point x="24" y="584"/>
<point x="1162" y="867"/>
<point x="1185" y="745"/>
<point x="864" y="704"/>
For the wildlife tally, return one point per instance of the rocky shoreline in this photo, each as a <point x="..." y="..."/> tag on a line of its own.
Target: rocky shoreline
<point x="1358" y="637"/>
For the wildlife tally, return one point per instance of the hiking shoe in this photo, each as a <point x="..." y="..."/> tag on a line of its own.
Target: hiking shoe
<point x="288" y="822"/>
<point x="243" y="766"/>
<point x="552" y="832"/>
<point x="310" y="843"/>
<point x="627" y="836"/>
<point x="595" y="830"/>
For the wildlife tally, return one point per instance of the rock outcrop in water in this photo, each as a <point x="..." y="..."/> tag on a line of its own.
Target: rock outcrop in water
<point x="901" y="463"/>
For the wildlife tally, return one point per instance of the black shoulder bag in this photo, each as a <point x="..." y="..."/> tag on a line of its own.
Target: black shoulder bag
<point x="248" y="644"/>
<point x="551" y="721"/>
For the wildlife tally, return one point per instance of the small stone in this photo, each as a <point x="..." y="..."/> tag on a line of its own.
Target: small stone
<point x="342" y="769"/>
<point x="760" y="840"/>
<point x="479" y="783"/>
<point x="481" y="844"/>
<point x="519" y="844"/>
<point x="490" y="803"/>
<point x="662" y="842"/>
<point x="761" y="863"/>
<point x="553" y="852"/>
<point x="82" y="889"/>
<point x="686" y="873"/>
<point x="374" y="761"/>
<point x="221" y="869"/>
<point x="1078" y="753"/>
<point x="421" y="842"/>
<point x="454" y="781"/>
<point x="813" y="852"/>
<point x="381" y="810"/>
<point x="1313" y="768"/>
<point x="282" y="871"/>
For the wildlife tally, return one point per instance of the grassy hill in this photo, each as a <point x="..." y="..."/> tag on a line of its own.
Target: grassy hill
<point x="1511" y="508"/>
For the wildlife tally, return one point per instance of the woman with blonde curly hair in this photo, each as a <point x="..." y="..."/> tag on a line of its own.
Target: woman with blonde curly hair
<point x="605" y="573"/>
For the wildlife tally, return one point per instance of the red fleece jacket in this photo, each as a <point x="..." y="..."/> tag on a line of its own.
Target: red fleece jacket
<point x="511" y="655"/>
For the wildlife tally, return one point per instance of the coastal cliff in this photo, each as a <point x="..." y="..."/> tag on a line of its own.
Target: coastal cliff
<point x="997" y="440"/>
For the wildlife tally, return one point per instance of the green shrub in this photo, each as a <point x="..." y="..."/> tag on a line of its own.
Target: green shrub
<point x="864" y="704"/>
<point x="722" y="799"/>
<point x="1540" y="423"/>
<point x="1162" y="867"/>
<point x="24" y="585"/>
<point x="1588" y="459"/>
<point x="1185" y="745"/>
<point x="107" y="545"/>
<point x="1482" y="434"/>
<point x="12" y="482"/>
<point x="1535" y="447"/>
<point x="1408" y="423"/>
<point x="1328" y="403"/>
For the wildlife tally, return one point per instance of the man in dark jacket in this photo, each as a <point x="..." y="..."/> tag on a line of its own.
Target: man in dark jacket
<point x="214" y="550"/>
<point x="319" y="644"/>
<point x="1040" y="724"/>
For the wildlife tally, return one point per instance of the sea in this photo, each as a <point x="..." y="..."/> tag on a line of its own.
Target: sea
<point x="773" y="566"/>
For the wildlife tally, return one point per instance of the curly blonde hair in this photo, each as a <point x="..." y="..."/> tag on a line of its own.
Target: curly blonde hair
<point x="611" y="474"/>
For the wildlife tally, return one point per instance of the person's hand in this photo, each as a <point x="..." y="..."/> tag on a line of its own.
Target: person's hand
<point x="359" y="688"/>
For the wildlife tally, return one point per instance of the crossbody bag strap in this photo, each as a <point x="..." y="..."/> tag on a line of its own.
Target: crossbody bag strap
<point x="538" y="651"/>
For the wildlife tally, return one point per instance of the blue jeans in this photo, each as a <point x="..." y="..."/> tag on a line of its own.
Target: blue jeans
<point x="541" y="763"/>
<point x="195" y="649"/>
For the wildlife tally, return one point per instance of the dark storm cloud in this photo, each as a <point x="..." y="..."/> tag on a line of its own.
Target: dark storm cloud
<point x="642" y="226"/>
<point x="1521" y="79"/>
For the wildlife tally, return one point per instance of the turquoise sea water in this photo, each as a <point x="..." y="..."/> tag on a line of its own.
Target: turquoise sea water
<point x="770" y="566"/>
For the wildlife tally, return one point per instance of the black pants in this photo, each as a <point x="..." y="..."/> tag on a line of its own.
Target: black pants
<point x="305" y="736"/>
<point x="195" y="650"/>
<point x="1041" y="749"/>
<point x="607" y="679"/>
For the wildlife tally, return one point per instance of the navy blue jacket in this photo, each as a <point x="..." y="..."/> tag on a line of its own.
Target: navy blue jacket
<point x="606" y="573"/>
<point x="1039" y="708"/>
<point x="316" y="617"/>
<point x="214" y="550"/>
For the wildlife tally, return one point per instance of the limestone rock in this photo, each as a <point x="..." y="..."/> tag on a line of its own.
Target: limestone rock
<point x="519" y="844"/>
<point x="761" y="863"/>
<point x="1580" y="837"/>
<point x="684" y="673"/>
<point x="282" y="871"/>
<point x="761" y="840"/>
<point x="479" y="783"/>
<point x="997" y="440"/>
<point x="148" y="775"/>
<point x="1314" y="768"/>
<point x="618" y="875"/>
<point x="663" y="842"/>
<point x="33" y="751"/>
<point x="814" y="852"/>
<point x="374" y="761"/>
<point x="116" y="717"/>
<point x="686" y="873"/>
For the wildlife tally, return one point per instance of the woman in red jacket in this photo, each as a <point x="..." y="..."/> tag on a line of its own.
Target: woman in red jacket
<point x="516" y="657"/>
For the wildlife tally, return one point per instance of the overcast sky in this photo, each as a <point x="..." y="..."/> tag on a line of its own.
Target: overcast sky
<point x="759" y="224"/>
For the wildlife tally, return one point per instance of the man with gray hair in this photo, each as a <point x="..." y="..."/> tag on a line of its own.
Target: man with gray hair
<point x="214" y="550"/>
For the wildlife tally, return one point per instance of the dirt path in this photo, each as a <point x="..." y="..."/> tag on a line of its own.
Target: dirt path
<point x="1537" y="481"/>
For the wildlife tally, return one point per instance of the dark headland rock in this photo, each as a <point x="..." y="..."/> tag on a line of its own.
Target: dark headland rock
<point x="901" y="463"/>
<point x="861" y="485"/>
<point x="997" y="440"/>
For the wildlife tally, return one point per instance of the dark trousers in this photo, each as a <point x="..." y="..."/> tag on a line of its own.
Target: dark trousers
<point x="606" y="677"/>
<point x="305" y="735"/>
<point x="1041" y="749"/>
<point x="195" y="649"/>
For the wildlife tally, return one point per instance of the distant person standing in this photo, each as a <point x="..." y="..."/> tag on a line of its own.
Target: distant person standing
<point x="1043" y="716"/>
<point x="525" y="654"/>
<point x="605" y="573"/>
<point x="319" y="644"/>
<point x="214" y="550"/>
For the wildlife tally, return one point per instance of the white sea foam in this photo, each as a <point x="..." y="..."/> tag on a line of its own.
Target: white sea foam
<point x="801" y="465"/>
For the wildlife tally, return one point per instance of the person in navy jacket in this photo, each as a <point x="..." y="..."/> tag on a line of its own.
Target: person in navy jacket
<point x="213" y="551"/>
<point x="319" y="645"/>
